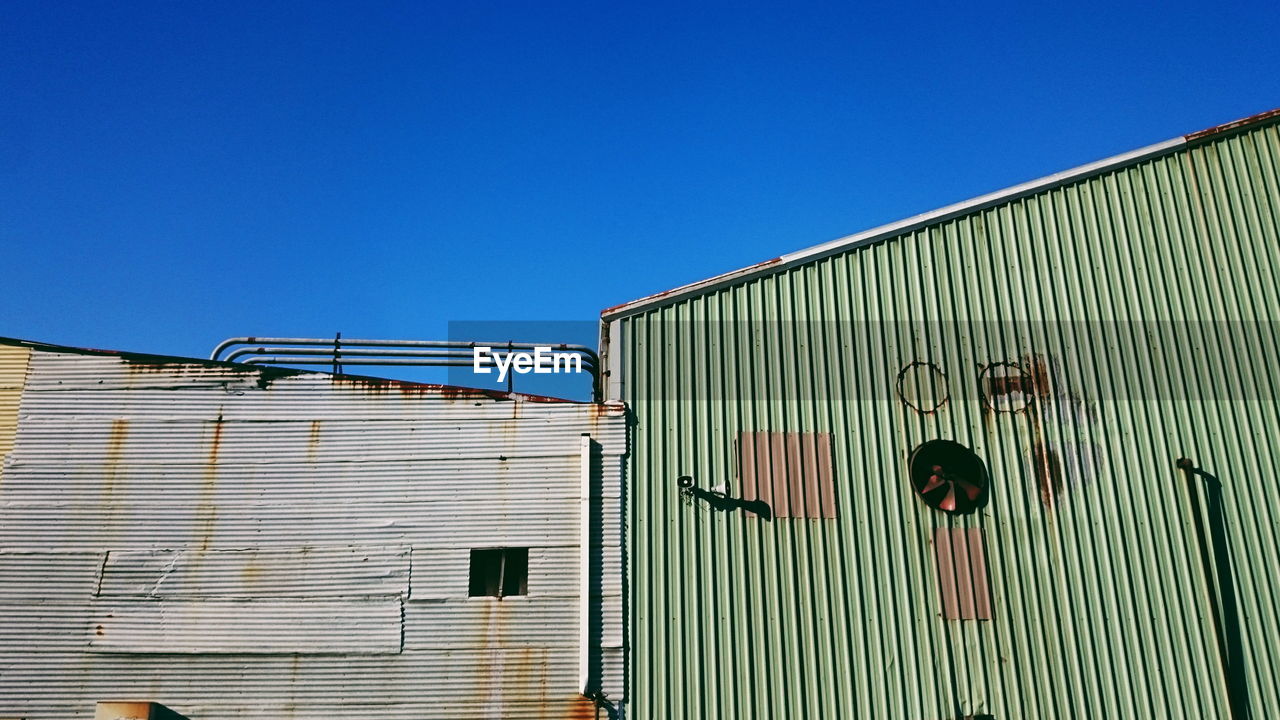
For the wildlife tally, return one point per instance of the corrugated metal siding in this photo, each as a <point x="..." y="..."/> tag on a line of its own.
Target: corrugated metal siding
<point x="309" y="572"/>
<point x="246" y="627"/>
<point x="237" y="543"/>
<point x="1142" y="305"/>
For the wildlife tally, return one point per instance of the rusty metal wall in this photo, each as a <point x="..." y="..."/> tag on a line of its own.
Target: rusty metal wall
<point x="1080" y="335"/>
<point x="239" y="542"/>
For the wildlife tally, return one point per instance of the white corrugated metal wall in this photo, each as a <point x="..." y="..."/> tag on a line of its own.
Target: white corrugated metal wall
<point x="237" y="542"/>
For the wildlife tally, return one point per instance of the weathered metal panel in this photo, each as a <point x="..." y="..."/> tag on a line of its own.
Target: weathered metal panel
<point x="360" y="571"/>
<point x="793" y="469"/>
<point x="244" y="627"/>
<point x="1128" y="316"/>
<point x="429" y="683"/>
<point x="962" y="573"/>
<point x="257" y="543"/>
<point x="34" y="575"/>
<point x="131" y="710"/>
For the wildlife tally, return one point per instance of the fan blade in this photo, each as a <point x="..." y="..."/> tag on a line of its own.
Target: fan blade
<point x="970" y="490"/>
<point x="949" y="502"/>
<point x="934" y="483"/>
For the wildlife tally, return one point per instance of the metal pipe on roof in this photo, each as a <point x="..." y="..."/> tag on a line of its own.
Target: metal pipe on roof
<point x="347" y="343"/>
<point x="428" y="353"/>
<point x="238" y="353"/>
<point x="277" y="349"/>
<point x="311" y="360"/>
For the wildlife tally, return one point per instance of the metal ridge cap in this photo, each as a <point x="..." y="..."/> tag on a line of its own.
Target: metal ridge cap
<point x="1031" y="187"/>
<point x="1234" y="125"/>
<point x="982" y="201"/>
<point x="899" y="227"/>
<point x="914" y="222"/>
<point x="683" y="290"/>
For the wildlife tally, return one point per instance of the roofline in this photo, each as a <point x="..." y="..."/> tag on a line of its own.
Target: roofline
<point x="894" y="229"/>
<point x="275" y="371"/>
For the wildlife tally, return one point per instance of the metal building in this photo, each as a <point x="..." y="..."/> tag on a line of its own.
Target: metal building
<point x="1014" y="458"/>
<point x="1010" y="459"/>
<point x="236" y="541"/>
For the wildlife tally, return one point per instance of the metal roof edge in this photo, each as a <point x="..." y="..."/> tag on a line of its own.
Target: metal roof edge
<point x="1233" y="125"/>
<point x="277" y="371"/>
<point x="153" y="357"/>
<point x="915" y="222"/>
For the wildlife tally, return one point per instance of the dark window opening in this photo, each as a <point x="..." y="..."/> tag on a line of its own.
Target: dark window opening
<point x="499" y="572"/>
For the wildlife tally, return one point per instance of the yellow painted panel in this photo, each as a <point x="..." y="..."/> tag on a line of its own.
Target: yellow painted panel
<point x="13" y="375"/>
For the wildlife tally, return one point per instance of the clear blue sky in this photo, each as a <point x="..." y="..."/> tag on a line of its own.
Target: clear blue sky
<point x="174" y="173"/>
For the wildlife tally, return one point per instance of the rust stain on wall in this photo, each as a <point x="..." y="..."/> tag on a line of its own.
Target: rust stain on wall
<point x="1060" y="422"/>
<point x="206" y="508"/>
<point x="382" y="386"/>
<point x="1040" y="375"/>
<point x="1058" y="411"/>
<point x="1004" y="387"/>
<point x="1047" y="468"/>
<point x="111" y="463"/>
<point x="111" y="468"/>
<point x="313" y="441"/>
<point x="582" y="708"/>
<point x="262" y="376"/>
<point x="251" y="573"/>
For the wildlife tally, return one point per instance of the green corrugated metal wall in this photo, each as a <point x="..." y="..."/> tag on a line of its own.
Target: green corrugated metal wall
<point x="1101" y="601"/>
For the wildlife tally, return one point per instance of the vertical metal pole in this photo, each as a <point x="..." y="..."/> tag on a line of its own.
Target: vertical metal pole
<point x="511" y="376"/>
<point x="1188" y="467"/>
<point x="584" y="607"/>
<point x="502" y="572"/>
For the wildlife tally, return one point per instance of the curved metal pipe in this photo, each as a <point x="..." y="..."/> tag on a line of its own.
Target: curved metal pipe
<point x="311" y="360"/>
<point x="346" y="343"/>
<point x="345" y="352"/>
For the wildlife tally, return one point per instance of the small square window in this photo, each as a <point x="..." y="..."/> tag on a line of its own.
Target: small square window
<point x="499" y="572"/>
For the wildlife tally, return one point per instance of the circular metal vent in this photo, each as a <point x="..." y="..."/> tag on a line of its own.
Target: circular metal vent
<point x="1005" y="387"/>
<point x="922" y="386"/>
<point x="949" y="477"/>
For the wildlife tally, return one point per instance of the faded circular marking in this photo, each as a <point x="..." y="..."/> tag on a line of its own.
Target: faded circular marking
<point x="1005" y="387"/>
<point x="922" y="386"/>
